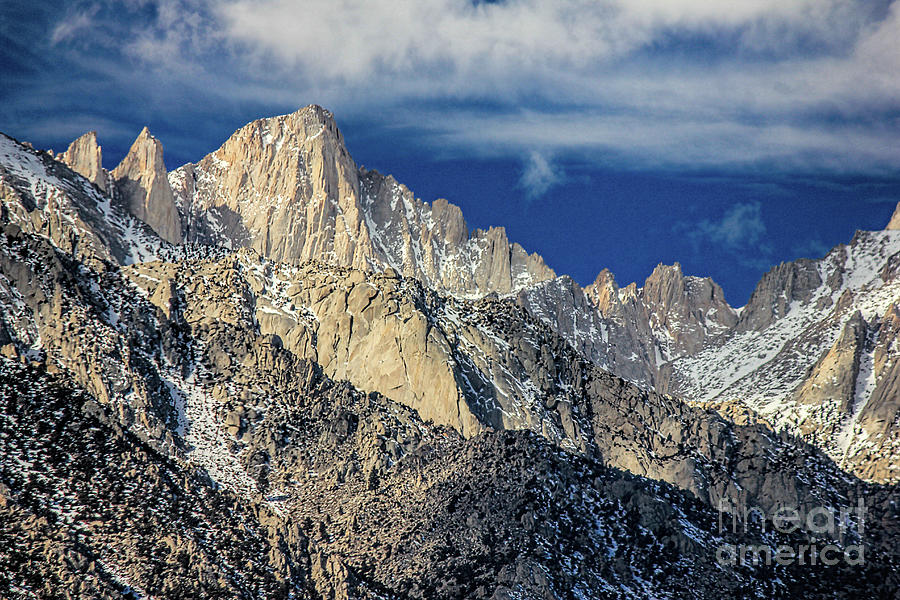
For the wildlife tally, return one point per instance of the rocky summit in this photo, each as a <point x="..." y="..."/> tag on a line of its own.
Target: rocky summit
<point x="275" y="373"/>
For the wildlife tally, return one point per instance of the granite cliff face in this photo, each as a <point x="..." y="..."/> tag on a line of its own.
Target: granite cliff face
<point x="329" y="389"/>
<point x="141" y="181"/>
<point x="631" y="331"/>
<point x="474" y="367"/>
<point x="801" y="354"/>
<point x="288" y="188"/>
<point x="85" y="157"/>
<point x="40" y="195"/>
<point x="203" y="365"/>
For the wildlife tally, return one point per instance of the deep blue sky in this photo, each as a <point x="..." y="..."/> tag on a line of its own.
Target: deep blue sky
<point x="726" y="136"/>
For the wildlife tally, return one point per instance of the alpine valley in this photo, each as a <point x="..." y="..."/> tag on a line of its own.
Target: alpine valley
<point x="275" y="373"/>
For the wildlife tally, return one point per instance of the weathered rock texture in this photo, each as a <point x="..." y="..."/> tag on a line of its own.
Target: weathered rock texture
<point x="805" y="355"/>
<point x="288" y="188"/>
<point x="41" y="195"/>
<point x="88" y="510"/>
<point x="472" y="366"/>
<point x="274" y="410"/>
<point x="363" y="500"/>
<point x="84" y="156"/>
<point x="801" y="354"/>
<point x="142" y="182"/>
<point x="633" y="332"/>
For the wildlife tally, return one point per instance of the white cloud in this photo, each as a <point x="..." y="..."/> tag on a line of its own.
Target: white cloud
<point x="539" y="175"/>
<point x="740" y="228"/>
<point x="70" y="27"/>
<point x="741" y="232"/>
<point x="796" y="84"/>
<point x="351" y="39"/>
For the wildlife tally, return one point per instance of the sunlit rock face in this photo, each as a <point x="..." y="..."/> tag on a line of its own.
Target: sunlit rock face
<point x="287" y="187"/>
<point x="289" y="378"/>
<point x="142" y="182"/>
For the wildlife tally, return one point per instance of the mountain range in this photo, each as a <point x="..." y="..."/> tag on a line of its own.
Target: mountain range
<point x="276" y="373"/>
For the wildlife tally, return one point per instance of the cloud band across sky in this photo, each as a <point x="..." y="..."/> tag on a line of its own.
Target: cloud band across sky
<point x="792" y="84"/>
<point x="787" y="84"/>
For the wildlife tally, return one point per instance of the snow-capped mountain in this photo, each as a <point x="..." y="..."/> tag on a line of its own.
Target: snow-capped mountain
<point x="287" y="187"/>
<point x="292" y="379"/>
<point x="43" y="197"/>
<point x="813" y="351"/>
<point x="634" y="331"/>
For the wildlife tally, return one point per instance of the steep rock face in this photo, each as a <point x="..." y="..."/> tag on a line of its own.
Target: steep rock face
<point x="441" y="357"/>
<point x="676" y="314"/>
<point x="473" y="366"/>
<point x="60" y="321"/>
<point x="285" y="187"/>
<point x="877" y="413"/>
<point x="812" y="351"/>
<point x="871" y="427"/>
<point x="782" y="357"/>
<point x="632" y="331"/>
<point x="84" y="156"/>
<point x="142" y="183"/>
<point x="832" y="382"/>
<point x="689" y="311"/>
<point x="773" y="295"/>
<point x="44" y="196"/>
<point x="219" y="362"/>
<point x="431" y="243"/>
<point x="610" y="340"/>
<point x="288" y="188"/>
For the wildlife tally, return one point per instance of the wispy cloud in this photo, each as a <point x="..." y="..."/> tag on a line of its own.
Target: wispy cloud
<point x="741" y="227"/>
<point x="800" y="85"/>
<point x="80" y="20"/>
<point x="485" y="40"/>
<point x="740" y="231"/>
<point x="814" y="248"/>
<point x="539" y="175"/>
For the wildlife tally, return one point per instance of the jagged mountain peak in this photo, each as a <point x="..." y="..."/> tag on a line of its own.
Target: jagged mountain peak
<point x="301" y="126"/>
<point x="144" y="146"/>
<point x="84" y="156"/>
<point x="44" y="195"/>
<point x="605" y="277"/>
<point x="311" y="112"/>
<point x="814" y="352"/>
<point x="315" y="402"/>
<point x="89" y="138"/>
<point x="287" y="187"/>
<point x="668" y="287"/>
<point x="142" y="183"/>
<point x="662" y="269"/>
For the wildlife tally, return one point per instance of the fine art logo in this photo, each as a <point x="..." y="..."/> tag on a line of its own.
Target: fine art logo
<point x="831" y="535"/>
